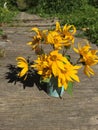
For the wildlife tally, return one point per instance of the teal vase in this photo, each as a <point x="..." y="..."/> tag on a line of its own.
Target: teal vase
<point x="53" y="89"/>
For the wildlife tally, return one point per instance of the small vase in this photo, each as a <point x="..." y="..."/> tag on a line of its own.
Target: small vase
<point x="53" y="89"/>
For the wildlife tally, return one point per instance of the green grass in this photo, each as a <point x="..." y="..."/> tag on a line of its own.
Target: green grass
<point x="6" y="15"/>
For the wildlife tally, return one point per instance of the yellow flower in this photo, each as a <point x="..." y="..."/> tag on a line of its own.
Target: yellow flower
<point x="42" y="66"/>
<point x="54" y="38"/>
<point x="35" y="42"/>
<point x="40" y="34"/>
<point x="38" y="38"/>
<point x="66" y="33"/>
<point x="68" y="74"/>
<point x="57" y="41"/>
<point x="65" y="29"/>
<point x="69" y="28"/>
<point x="56" y="61"/>
<point x="82" y="50"/>
<point x="88" y="57"/>
<point x="23" y="64"/>
<point x="58" y="27"/>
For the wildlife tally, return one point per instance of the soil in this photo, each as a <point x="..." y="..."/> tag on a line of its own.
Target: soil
<point x="23" y="105"/>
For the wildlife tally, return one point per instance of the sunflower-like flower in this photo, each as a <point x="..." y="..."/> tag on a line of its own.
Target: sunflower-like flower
<point x="82" y="50"/>
<point x="62" y="69"/>
<point x="67" y="33"/>
<point x="42" y="66"/>
<point x="38" y="38"/>
<point x="66" y="28"/>
<point x="56" y="62"/>
<point x="68" y="74"/>
<point x="23" y="64"/>
<point x="48" y="65"/>
<point x="57" y="41"/>
<point x="88" y="57"/>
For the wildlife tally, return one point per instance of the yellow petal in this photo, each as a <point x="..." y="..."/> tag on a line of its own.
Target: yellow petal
<point x="60" y="64"/>
<point x="65" y="85"/>
<point x="88" y="71"/>
<point x="36" y="30"/>
<point x="55" y="69"/>
<point x="73" y="29"/>
<point x="22" y="64"/>
<point x="76" y="50"/>
<point x="29" y="43"/>
<point x="76" y="78"/>
<point x="58" y="28"/>
<point x="21" y="59"/>
<point x="23" y="72"/>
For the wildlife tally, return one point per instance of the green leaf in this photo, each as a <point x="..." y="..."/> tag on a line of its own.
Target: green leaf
<point x="70" y="88"/>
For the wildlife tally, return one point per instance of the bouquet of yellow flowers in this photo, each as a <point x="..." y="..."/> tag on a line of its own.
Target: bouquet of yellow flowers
<point x="55" y="67"/>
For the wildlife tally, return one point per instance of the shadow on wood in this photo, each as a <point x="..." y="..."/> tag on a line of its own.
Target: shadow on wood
<point x="12" y="77"/>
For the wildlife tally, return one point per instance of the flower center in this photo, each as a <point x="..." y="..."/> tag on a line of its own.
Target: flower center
<point x="54" y="57"/>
